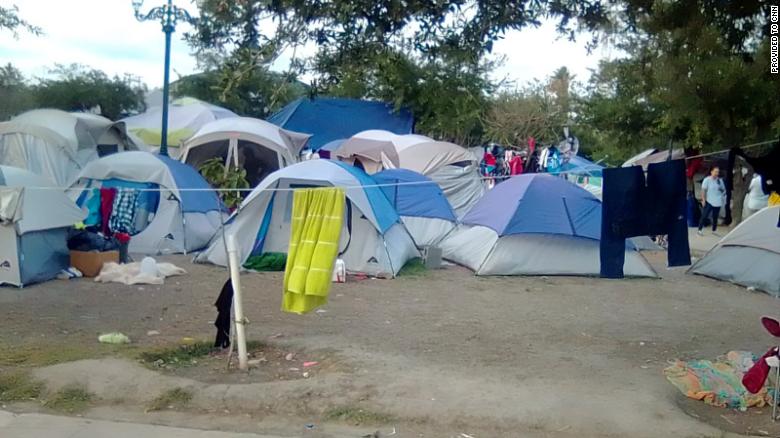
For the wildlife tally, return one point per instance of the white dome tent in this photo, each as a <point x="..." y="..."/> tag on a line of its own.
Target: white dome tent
<point x="535" y="224"/>
<point x="179" y="220"/>
<point x="33" y="227"/>
<point x="57" y="144"/>
<point x="749" y="255"/>
<point x="373" y="241"/>
<point x="452" y="167"/>
<point x="256" y="145"/>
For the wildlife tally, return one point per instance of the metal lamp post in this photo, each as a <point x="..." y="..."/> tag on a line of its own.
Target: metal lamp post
<point x="169" y="15"/>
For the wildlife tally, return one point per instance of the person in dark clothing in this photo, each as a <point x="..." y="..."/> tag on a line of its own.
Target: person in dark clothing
<point x="713" y="195"/>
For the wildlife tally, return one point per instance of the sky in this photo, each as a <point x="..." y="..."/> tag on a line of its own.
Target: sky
<point x="104" y="34"/>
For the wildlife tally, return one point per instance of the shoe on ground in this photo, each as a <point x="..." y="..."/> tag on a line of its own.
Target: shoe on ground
<point x="700" y="233"/>
<point x="716" y="234"/>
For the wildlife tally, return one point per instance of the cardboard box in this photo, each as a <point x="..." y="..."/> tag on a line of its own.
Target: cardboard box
<point x="91" y="262"/>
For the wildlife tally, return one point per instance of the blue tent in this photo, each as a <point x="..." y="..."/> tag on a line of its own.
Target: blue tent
<point x="181" y="217"/>
<point x="420" y="202"/>
<point x="413" y="194"/>
<point x="329" y="118"/>
<point x="373" y="239"/>
<point x="535" y="224"/>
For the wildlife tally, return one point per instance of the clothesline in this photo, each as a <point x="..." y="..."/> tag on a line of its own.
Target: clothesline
<point x="748" y="146"/>
<point x="580" y="172"/>
<point x="288" y="189"/>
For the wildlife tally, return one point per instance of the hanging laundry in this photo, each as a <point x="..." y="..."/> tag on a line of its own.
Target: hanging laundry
<point x="756" y="376"/>
<point x="666" y="205"/>
<point x="93" y="208"/>
<point x="317" y="218"/>
<point x="489" y="161"/>
<point x="224" y="304"/>
<point x="107" y="196"/>
<point x="631" y="208"/>
<point x="516" y="165"/>
<point x="123" y="211"/>
<point x="554" y="162"/>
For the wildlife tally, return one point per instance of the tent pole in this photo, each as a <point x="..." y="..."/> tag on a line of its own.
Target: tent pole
<point x="240" y="321"/>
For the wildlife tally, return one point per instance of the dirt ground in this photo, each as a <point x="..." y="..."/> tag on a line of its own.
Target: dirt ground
<point x="444" y="354"/>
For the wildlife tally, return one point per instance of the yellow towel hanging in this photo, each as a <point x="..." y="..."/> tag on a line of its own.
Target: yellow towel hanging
<point x="317" y="218"/>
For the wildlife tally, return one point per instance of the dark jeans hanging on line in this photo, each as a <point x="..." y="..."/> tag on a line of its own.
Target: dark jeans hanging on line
<point x="632" y="207"/>
<point x="710" y="212"/>
<point x="223" y="304"/>
<point x="667" y="193"/>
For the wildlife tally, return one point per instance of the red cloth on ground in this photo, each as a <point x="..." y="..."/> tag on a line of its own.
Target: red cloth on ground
<point x="489" y="159"/>
<point x="756" y="376"/>
<point x="516" y="165"/>
<point x="106" y="206"/>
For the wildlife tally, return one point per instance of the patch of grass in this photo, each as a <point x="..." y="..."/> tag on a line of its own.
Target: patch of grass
<point x="184" y="355"/>
<point x="413" y="268"/>
<point x="19" y="386"/>
<point x="37" y="355"/>
<point x="357" y="416"/>
<point x="179" y="356"/>
<point x="70" y="399"/>
<point x="176" y="398"/>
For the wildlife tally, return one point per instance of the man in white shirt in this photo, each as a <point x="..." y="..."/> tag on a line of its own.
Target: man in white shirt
<point x="713" y="196"/>
<point x="756" y="199"/>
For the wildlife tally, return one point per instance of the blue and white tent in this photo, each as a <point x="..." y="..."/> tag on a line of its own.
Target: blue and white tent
<point x="373" y="241"/>
<point x="34" y="219"/>
<point x="535" y="224"/>
<point x="176" y="210"/>
<point x="419" y="201"/>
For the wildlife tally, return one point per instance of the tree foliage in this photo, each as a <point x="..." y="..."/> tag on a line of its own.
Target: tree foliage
<point x="538" y="109"/>
<point x="78" y="88"/>
<point x="70" y="88"/>
<point x="260" y="95"/>
<point x="10" y="21"/>
<point x="15" y="93"/>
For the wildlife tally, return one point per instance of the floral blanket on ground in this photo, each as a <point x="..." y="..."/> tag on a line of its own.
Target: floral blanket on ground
<point x="718" y="383"/>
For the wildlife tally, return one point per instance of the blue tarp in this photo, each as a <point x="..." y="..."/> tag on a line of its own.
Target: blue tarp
<point x="413" y="194"/>
<point x="582" y="166"/>
<point x="328" y="118"/>
<point x="202" y="200"/>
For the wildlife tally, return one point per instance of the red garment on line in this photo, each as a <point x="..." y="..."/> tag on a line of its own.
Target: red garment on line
<point x="693" y="166"/>
<point x="106" y="207"/>
<point x="489" y="159"/>
<point x="756" y="376"/>
<point x="516" y="165"/>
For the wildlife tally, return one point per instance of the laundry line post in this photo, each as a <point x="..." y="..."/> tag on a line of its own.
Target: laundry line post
<point x="235" y="279"/>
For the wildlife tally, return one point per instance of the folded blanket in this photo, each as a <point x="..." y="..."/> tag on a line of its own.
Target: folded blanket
<point x="133" y="273"/>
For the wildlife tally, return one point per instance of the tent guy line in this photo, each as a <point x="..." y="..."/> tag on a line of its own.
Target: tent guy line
<point x="183" y="189"/>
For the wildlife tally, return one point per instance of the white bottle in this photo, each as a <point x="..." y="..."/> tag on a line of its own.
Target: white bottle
<point x="339" y="272"/>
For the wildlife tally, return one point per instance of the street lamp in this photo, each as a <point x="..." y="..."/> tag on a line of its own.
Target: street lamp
<point x="169" y="15"/>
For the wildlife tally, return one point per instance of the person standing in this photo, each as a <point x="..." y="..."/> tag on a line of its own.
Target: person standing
<point x="713" y="195"/>
<point x="756" y="199"/>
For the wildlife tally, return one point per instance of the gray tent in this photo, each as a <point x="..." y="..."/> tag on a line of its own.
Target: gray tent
<point x="33" y="227"/>
<point x="749" y="255"/>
